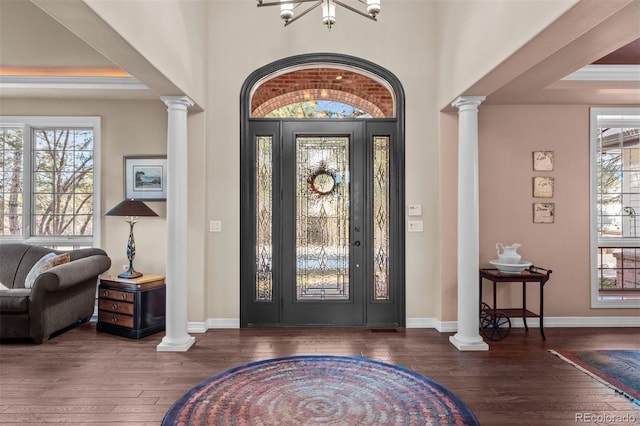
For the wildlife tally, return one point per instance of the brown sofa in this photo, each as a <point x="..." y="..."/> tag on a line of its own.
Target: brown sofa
<point x="60" y="297"/>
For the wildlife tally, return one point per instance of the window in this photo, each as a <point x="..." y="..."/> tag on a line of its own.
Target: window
<point x="48" y="180"/>
<point x="615" y="178"/>
<point x="318" y="109"/>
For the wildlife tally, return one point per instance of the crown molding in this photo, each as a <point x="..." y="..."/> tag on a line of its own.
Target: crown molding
<point x="606" y="73"/>
<point x="70" y="83"/>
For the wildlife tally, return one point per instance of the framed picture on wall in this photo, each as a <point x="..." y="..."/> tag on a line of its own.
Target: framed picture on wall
<point x="145" y="177"/>
<point x="543" y="161"/>
<point x="543" y="212"/>
<point x="543" y="187"/>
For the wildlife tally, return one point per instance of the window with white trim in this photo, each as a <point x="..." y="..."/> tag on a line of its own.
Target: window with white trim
<point x="49" y="191"/>
<point x="615" y="203"/>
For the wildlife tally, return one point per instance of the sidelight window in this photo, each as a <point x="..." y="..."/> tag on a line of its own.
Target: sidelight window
<point x="615" y="161"/>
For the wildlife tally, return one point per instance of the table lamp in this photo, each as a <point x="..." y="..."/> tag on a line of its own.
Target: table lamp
<point x="132" y="209"/>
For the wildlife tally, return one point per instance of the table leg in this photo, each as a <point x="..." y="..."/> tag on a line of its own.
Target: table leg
<point x="480" y="298"/>
<point x="542" y="311"/>
<point x="524" y="305"/>
<point x="495" y="304"/>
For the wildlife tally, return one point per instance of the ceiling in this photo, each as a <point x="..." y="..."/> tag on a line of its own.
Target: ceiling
<point x="53" y="62"/>
<point x="629" y="54"/>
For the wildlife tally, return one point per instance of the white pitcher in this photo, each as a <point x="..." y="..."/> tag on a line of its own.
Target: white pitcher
<point x="508" y="254"/>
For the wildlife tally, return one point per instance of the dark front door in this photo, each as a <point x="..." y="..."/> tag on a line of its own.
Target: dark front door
<point x="323" y="226"/>
<point x="322" y="181"/>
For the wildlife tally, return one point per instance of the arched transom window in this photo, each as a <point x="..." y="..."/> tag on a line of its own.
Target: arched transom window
<point x="322" y="92"/>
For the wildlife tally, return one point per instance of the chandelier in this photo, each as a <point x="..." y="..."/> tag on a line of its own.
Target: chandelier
<point x="288" y="8"/>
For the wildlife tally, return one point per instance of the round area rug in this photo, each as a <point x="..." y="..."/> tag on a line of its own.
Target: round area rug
<point x="319" y="390"/>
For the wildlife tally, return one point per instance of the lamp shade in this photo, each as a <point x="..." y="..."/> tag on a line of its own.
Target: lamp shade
<point x="131" y="208"/>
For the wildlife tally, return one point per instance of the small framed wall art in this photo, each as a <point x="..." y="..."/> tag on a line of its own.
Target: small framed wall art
<point x="543" y="212"/>
<point x="543" y="161"/>
<point x="543" y="187"/>
<point x="145" y="177"/>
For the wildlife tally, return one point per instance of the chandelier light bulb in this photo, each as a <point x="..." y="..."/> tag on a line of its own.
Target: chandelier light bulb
<point x="328" y="13"/>
<point x="373" y="7"/>
<point x="286" y="11"/>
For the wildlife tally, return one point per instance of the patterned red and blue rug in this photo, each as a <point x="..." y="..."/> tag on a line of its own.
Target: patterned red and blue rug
<point x="617" y="369"/>
<point x="319" y="390"/>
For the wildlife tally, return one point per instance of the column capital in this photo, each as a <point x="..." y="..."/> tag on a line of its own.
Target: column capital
<point x="177" y="100"/>
<point x="468" y="102"/>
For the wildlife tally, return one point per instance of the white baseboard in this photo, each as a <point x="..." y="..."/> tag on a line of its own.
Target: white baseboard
<point x="197" y="327"/>
<point x="452" y="326"/>
<point x="212" y="323"/>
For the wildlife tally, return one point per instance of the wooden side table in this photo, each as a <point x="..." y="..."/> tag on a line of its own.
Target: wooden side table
<point x="131" y="308"/>
<point x="533" y="274"/>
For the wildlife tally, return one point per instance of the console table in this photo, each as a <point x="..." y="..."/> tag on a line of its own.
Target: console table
<point x="533" y="274"/>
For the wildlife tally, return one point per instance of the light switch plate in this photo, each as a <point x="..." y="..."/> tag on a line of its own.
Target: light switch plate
<point x="415" y="210"/>
<point x="415" y="226"/>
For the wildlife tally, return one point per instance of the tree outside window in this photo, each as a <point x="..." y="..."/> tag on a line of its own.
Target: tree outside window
<point x="47" y="192"/>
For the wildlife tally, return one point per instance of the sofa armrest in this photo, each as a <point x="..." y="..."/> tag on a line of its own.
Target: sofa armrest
<point x="72" y="273"/>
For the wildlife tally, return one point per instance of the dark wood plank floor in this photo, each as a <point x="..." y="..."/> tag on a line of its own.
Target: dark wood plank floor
<point x="85" y="377"/>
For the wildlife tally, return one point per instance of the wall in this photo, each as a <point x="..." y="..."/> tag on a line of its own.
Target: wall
<point x="128" y="128"/>
<point x="507" y="137"/>
<point x="258" y="39"/>
<point x="242" y="38"/>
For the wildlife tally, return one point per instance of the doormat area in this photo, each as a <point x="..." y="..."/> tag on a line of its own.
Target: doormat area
<point x="617" y="369"/>
<point x="319" y="390"/>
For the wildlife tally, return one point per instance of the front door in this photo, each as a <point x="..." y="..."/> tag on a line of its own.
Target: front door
<point x="324" y="226"/>
<point x="322" y="207"/>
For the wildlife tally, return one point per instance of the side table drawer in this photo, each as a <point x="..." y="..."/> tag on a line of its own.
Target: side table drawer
<point x="115" y="306"/>
<point x="115" y="319"/>
<point x="116" y="295"/>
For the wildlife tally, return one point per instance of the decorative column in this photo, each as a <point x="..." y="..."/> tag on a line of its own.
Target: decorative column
<point x="468" y="336"/>
<point x="177" y="339"/>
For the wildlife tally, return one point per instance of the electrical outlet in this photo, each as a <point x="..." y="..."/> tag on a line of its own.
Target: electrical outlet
<point x="215" y="226"/>
<point x="415" y="226"/>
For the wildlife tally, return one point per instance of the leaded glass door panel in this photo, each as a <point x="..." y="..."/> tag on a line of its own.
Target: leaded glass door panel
<point x="322" y="187"/>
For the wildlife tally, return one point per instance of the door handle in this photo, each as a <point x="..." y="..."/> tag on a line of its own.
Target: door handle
<point x="357" y="243"/>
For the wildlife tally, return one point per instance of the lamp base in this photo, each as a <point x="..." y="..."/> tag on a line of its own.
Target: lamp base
<point x="130" y="274"/>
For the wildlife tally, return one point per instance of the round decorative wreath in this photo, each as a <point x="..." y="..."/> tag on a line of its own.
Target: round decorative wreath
<point x="322" y="180"/>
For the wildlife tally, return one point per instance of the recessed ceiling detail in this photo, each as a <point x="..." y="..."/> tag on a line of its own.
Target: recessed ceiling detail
<point x="606" y="73"/>
<point x="64" y="71"/>
<point x="627" y="55"/>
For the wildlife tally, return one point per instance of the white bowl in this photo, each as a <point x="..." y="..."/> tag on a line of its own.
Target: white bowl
<point x="507" y="259"/>
<point x="510" y="268"/>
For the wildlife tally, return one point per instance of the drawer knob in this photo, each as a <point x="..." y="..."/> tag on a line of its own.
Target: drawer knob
<point x="123" y="296"/>
<point x="105" y="293"/>
<point x="114" y="306"/>
<point x="114" y="319"/>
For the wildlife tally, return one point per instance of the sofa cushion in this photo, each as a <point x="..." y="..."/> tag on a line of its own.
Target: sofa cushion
<point x="45" y="263"/>
<point x="14" y="300"/>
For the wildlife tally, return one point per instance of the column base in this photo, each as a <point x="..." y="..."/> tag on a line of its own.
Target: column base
<point x="468" y="345"/>
<point x="173" y="345"/>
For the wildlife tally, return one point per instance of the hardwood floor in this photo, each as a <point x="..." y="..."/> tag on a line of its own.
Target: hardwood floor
<point x="85" y="377"/>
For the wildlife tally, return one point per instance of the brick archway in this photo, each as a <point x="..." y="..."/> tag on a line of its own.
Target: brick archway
<point x="332" y="84"/>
